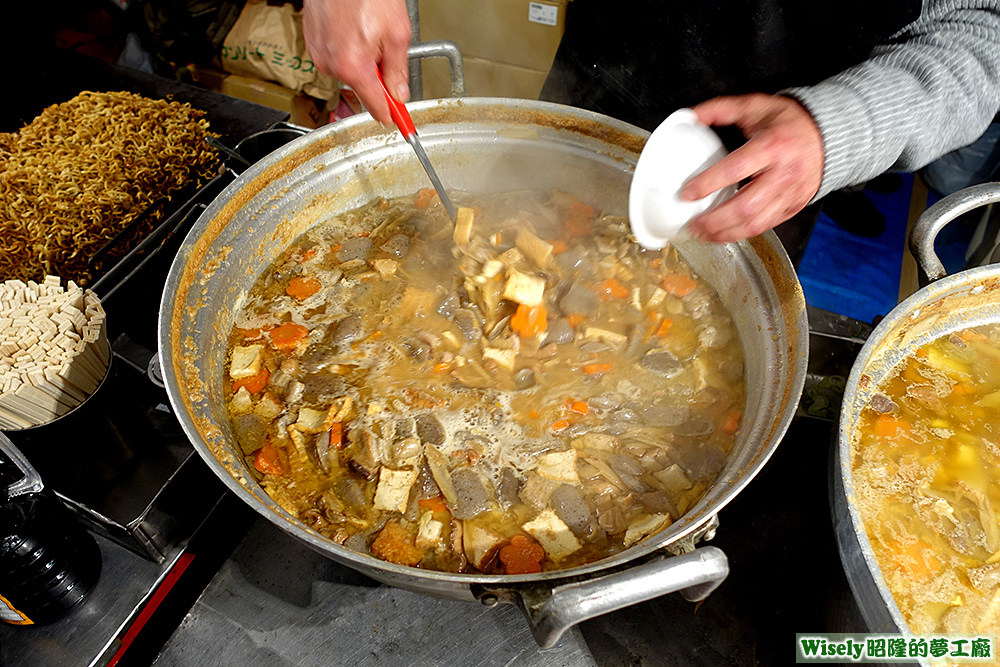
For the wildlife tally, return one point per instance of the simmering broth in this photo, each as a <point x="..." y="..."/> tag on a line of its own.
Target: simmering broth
<point x="926" y="466"/>
<point x="526" y="389"/>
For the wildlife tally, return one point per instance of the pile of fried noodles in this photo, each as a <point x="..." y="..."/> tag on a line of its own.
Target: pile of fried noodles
<point x="84" y="170"/>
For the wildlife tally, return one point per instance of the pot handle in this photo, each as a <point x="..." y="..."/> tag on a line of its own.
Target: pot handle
<point x="934" y="219"/>
<point x="440" y="48"/>
<point x="551" y="612"/>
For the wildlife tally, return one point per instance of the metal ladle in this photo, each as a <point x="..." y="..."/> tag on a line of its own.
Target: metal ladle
<point x="401" y="117"/>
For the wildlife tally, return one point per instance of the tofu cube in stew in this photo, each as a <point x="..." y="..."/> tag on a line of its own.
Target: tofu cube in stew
<point x="245" y="361"/>
<point x="393" y="490"/>
<point x="553" y="534"/>
<point x="430" y="532"/>
<point x="523" y="288"/>
<point x="559" y="467"/>
<point x="481" y="545"/>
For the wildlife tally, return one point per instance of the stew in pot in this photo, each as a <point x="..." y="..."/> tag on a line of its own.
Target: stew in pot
<point x="524" y="389"/>
<point x="926" y="465"/>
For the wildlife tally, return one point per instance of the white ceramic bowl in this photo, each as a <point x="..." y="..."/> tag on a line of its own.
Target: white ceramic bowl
<point x="679" y="148"/>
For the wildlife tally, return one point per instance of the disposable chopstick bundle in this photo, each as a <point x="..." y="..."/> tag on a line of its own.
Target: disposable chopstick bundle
<point x="54" y="350"/>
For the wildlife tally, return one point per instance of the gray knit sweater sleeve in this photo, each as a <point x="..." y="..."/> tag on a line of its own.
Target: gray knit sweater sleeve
<point x="932" y="88"/>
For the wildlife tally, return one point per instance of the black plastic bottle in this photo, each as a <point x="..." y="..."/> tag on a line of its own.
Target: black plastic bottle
<point x="48" y="561"/>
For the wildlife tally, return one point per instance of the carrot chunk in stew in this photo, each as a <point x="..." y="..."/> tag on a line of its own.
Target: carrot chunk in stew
<point x="522" y="555"/>
<point x="529" y="321"/>
<point x="678" y="284"/>
<point x="255" y="383"/>
<point x="302" y="287"/>
<point x="288" y="336"/>
<point x="268" y="460"/>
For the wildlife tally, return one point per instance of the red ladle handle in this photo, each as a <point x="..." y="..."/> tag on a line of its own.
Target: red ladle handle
<point x="400" y="116"/>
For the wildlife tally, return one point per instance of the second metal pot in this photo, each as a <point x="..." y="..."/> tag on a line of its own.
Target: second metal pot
<point x="953" y="303"/>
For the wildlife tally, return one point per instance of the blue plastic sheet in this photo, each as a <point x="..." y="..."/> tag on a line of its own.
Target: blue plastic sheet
<point x="859" y="277"/>
<point x="856" y="276"/>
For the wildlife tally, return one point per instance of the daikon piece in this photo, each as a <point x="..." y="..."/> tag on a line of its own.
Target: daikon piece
<point x="524" y="288"/>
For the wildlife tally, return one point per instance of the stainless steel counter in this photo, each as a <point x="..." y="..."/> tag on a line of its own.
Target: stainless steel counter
<point x="276" y="602"/>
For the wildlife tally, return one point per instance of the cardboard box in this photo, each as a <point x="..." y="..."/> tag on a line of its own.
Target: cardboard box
<point x="525" y="33"/>
<point x="266" y="42"/>
<point x="484" y="78"/>
<point x="303" y="110"/>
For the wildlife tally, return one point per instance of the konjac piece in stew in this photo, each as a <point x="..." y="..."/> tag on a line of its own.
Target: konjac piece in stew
<point x="524" y="389"/>
<point x="926" y="467"/>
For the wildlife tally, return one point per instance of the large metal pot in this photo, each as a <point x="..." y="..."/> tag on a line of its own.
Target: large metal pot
<point x="949" y="304"/>
<point x="479" y="145"/>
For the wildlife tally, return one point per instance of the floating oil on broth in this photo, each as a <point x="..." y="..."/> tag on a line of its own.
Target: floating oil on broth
<point x="926" y="465"/>
<point x="523" y="390"/>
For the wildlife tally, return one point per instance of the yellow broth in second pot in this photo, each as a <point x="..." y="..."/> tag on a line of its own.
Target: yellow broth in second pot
<point x="926" y="465"/>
